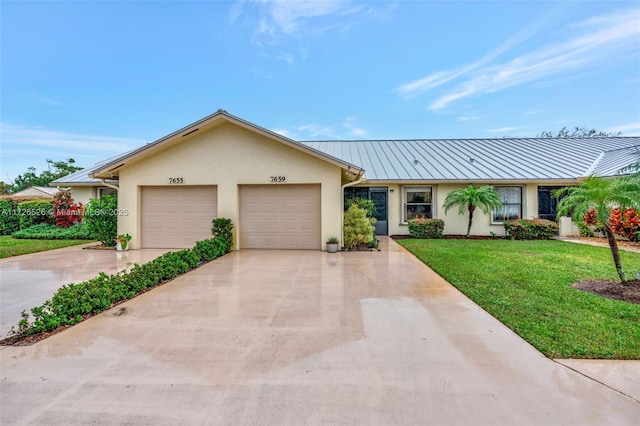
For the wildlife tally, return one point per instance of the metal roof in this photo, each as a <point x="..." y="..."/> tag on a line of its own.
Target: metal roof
<point x="485" y="159"/>
<point x="610" y="162"/>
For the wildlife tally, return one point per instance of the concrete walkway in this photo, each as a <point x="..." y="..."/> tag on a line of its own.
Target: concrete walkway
<point x="300" y="337"/>
<point x="28" y="280"/>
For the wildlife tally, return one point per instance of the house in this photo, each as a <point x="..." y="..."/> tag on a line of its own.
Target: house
<point x="37" y="191"/>
<point x="286" y="194"/>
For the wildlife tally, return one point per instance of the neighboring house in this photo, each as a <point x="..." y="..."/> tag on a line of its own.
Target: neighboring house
<point x="285" y="194"/>
<point x="37" y="191"/>
<point x="83" y="187"/>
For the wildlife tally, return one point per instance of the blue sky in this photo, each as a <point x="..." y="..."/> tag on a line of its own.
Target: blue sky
<point x="90" y="80"/>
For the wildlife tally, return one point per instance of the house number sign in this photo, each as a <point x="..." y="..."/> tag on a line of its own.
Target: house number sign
<point x="277" y="179"/>
<point x="176" y="180"/>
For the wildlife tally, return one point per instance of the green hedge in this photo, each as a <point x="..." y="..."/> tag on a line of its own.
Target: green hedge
<point x="35" y="212"/>
<point x="10" y="214"/>
<point x="73" y="302"/>
<point x="45" y="231"/>
<point x="531" y="229"/>
<point x="426" y="228"/>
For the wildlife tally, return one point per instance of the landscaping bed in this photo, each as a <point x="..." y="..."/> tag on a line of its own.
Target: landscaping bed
<point x="529" y="286"/>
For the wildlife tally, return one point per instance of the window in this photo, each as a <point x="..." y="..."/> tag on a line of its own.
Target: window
<point x="417" y="202"/>
<point x="511" y="197"/>
<point x="106" y="191"/>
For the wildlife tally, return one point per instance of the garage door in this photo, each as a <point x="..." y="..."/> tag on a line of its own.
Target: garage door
<point x="177" y="217"/>
<point x="280" y="216"/>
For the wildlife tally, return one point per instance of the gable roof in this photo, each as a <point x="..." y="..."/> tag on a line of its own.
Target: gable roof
<point x="109" y="169"/>
<point x="44" y="190"/>
<point x="485" y="159"/>
<point x="422" y="159"/>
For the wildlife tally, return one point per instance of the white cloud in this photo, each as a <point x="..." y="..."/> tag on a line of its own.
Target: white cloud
<point x="291" y="17"/>
<point x="48" y="101"/>
<point x="630" y="129"/>
<point x="284" y="132"/>
<point x="468" y="118"/>
<point x="344" y="130"/>
<point x="505" y="129"/>
<point x="593" y="42"/>
<point x="23" y="136"/>
<point x="287" y="24"/>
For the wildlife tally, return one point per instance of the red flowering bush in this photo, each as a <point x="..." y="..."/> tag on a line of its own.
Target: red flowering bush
<point x="626" y="224"/>
<point x="65" y="211"/>
<point x="591" y="218"/>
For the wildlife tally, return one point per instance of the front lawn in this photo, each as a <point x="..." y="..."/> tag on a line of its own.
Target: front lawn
<point x="12" y="247"/>
<point x="527" y="286"/>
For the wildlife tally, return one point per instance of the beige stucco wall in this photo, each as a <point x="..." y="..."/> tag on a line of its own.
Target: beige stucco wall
<point x="82" y="194"/>
<point x="228" y="156"/>
<point x="454" y="223"/>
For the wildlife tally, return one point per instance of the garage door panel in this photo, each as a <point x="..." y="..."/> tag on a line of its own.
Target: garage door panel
<point x="280" y="216"/>
<point x="177" y="217"/>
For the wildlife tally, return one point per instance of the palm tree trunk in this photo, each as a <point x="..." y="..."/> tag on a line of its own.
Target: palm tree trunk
<point x="615" y="252"/>
<point x="471" y="209"/>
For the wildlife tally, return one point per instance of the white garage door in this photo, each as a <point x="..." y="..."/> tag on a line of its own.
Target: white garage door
<point x="177" y="217"/>
<point x="280" y="216"/>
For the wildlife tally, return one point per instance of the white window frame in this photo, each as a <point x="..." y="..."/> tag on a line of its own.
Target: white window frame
<point x="521" y="204"/>
<point x="416" y="188"/>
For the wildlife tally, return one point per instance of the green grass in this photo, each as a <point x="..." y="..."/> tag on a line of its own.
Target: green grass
<point x="13" y="247"/>
<point x="527" y="286"/>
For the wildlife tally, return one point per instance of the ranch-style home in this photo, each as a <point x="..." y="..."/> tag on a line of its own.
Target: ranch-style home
<point x="287" y="194"/>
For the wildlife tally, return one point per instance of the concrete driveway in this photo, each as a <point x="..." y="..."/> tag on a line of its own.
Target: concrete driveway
<point x="299" y="337"/>
<point x="28" y="280"/>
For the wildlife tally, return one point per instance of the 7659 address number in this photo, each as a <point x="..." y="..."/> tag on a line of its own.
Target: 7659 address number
<point x="277" y="179"/>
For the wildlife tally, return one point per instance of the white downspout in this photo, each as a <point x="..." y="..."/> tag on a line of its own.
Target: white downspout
<point x="104" y="182"/>
<point x="361" y="179"/>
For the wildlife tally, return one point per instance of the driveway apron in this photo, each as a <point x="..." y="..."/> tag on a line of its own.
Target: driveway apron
<point x="300" y="337"/>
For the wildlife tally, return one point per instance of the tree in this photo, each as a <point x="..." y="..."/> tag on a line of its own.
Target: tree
<point x="55" y="170"/>
<point x="602" y="195"/>
<point x="470" y="198"/>
<point x="578" y="132"/>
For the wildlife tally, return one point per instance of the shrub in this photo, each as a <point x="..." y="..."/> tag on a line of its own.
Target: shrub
<point x="101" y="217"/>
<point x="9" y="217"/>
<point x="531" y="229"/>
<point x="364" y="203"/>
<point x="585" y="230"/>
<point x="626" y="224"/>
<point x="223" y="228"/>
<point x="74" y="302"/>
<point x="35" y="212"/>
<point x="65" y="211"/>
<point x="426" y="228"/>
<point x="9" y="220"/>
<point x="45" y="231"/>
<point x="358" y="230"/>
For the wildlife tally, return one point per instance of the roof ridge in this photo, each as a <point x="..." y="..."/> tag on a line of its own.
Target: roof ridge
<point x="593" y="166"/>
<point x="474" y="139"/>
<point x="622" y="148"/>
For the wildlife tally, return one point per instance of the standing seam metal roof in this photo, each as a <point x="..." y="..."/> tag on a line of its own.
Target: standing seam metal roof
<point x="485" y="159"/>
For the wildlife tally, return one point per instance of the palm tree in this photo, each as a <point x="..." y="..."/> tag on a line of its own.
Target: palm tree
<point x="603" y="195"/>
<point x="470" y="198"/>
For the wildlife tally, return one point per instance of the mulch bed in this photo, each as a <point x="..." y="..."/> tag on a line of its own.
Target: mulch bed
<point x="621" y="243"/>
<point x="629" y="292"/>
<point x="452" y="237"/>
<point x="98" y="247"/>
